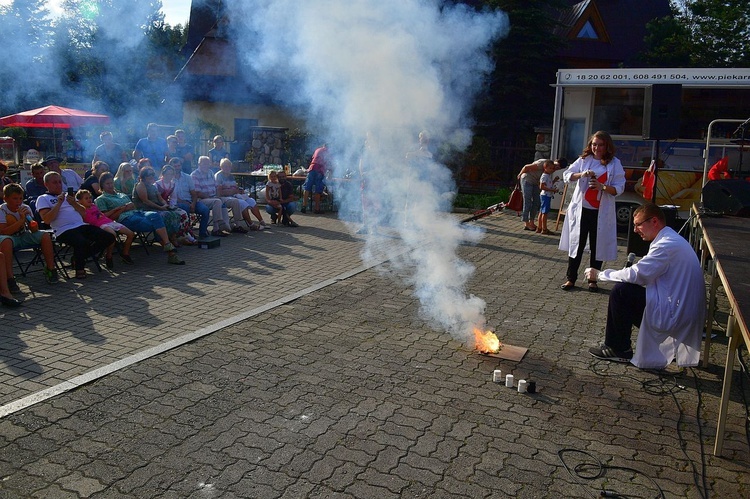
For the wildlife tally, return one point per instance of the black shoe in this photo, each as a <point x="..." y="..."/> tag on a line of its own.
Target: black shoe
<point x="604" y="352"/>
<point x="593" y="287"/>
<point x="13" y="285"/>
<point x="10" y="302"/>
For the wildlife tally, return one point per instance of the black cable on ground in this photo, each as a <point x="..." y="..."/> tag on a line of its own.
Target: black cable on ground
<point x="583" y="471"/>
<point x="659" y="387"/>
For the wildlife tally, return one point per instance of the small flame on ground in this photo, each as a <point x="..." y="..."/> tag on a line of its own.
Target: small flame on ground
<point x="486" y="341"/>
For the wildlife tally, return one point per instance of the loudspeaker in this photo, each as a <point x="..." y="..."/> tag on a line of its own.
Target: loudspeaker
<point x="661" y="112"/>
<point x="730" y="196"/>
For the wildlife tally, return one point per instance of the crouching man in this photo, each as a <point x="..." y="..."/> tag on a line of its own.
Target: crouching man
<point x="664" y="295"/>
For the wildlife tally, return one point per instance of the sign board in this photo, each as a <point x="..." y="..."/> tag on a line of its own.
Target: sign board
<point x="699" y="77"/>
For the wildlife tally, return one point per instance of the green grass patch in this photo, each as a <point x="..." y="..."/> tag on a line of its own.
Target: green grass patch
<point x="480" y="201"/>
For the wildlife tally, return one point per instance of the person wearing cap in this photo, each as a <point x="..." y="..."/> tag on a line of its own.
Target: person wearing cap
<point x="109" y="151"/>
<point x="152" y="147"/>
<point x="70" y="179"/>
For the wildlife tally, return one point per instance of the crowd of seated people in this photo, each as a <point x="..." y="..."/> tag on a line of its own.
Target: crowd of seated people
<point x="118" y="198"/>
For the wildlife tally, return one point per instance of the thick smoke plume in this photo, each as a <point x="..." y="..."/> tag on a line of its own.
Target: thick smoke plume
<point x="382" y="71"/>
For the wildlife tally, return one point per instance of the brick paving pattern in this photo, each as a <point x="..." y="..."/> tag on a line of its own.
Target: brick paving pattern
<point x="344" y="391"/>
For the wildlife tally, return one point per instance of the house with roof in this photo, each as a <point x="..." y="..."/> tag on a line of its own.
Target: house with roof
<point x="606" y="33"/>
<point x="213" y="87"/>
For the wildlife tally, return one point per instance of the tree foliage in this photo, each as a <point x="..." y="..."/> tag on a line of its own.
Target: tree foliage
<point x="701" y="33"/>
<point x="107" y="56"/>
<point x="519" y="95"/>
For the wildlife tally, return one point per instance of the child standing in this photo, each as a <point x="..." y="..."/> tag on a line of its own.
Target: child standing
<point x="96" y="218"/>
<point x="273" y="196"/>
<point x="19" y="227"/>
<point x="548" y="189"/>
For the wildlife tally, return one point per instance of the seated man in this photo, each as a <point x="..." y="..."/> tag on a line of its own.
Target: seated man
<point x="663" y="295"/>
<point x="70" y="179"/>
<point x="288" y="202"/>
<point x="17" y="225"/>
<point x="62" y="212"/>
<point x="186" y="197"/>
<point x="35" y="186"/>
<point x="205" y="188"/>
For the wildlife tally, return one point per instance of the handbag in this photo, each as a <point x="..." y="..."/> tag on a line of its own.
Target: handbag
<point x="515" y="202"/>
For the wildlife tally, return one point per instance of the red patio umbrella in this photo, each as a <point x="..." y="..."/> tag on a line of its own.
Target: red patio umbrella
<point x="53" y="117"/>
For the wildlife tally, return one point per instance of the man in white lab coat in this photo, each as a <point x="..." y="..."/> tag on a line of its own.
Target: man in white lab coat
<point x="663" y="295"/>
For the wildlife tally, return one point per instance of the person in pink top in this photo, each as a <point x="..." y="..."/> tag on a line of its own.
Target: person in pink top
<point x="315" y="181"/>
<point x="98" y="219"/>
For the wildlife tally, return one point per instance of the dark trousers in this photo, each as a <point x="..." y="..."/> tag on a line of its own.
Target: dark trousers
<point x="86" y="241"/>
<point x="589" y="219"/>
<point x="627" y="302"/>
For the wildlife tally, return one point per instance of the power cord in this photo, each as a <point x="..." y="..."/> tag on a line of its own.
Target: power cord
<point x="661" y="386"/>
<point x="583" y="471"/>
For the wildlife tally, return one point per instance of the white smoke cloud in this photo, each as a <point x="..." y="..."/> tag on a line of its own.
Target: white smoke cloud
<point x="386" y="69"/>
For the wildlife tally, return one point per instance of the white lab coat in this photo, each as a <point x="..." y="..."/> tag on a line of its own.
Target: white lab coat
<point x="672" y="324"/>
<point x="606" y="227"/>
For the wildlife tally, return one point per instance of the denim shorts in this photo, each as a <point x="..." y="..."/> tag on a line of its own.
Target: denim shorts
<point x="314" y="183"/>
<point x="546" y="202"/>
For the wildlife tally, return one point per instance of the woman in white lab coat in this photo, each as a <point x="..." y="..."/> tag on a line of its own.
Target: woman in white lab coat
<point x="599" y="178"/>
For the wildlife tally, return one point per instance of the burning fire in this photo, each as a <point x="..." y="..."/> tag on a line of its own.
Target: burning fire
<point x="486" y="341"/>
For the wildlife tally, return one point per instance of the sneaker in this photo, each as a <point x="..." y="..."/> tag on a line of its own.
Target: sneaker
<point x="50" y="275"/>
<point x="13" y="285"/>
<point x="239" y="230"/>
<point x="174" y="259"/>
<point x="604" y="352"/>
<point x="127" y="259"/>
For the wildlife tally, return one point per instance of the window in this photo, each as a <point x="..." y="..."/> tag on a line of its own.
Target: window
<point x="618" y="111"/>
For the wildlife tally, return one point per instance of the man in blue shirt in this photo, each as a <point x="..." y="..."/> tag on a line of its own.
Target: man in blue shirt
<point x="152" y="147"/>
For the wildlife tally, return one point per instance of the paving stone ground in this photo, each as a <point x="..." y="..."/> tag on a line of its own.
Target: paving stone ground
<point x="346" y="391"/>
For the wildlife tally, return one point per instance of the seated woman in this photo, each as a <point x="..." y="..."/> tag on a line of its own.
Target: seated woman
<point x="124" y="180"/>
<point x="226" y="188"/>
<point x="95" y="217"/>
<point x="165" y="187"/>
<point x="91" y="183"/>
<point x="119" y="207"/>
<point x="146" y="197"/>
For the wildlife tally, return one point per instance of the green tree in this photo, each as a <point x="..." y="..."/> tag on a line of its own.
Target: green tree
<point x="701" y="33"/>
<point x="26" y="31"/>
<point x="518" y="94"/>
